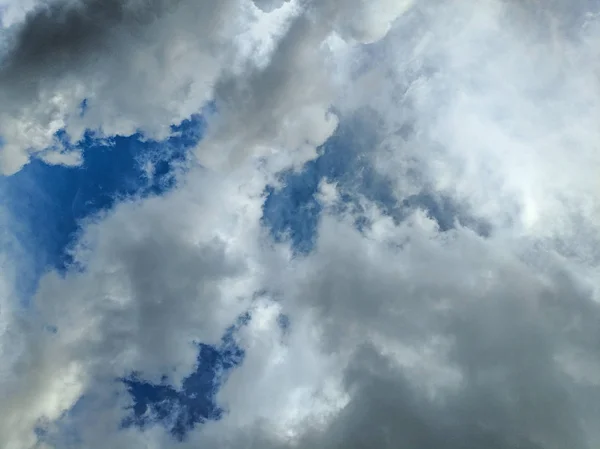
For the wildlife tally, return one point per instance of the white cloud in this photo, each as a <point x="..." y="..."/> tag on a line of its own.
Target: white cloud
<point x="400" y="334"/>
<point x="495" y="110"/>
<point x="113" y="54"/>
<point x="435" y="337"/>
<point x="14" y="11"/>
<point x="156" y="281"/>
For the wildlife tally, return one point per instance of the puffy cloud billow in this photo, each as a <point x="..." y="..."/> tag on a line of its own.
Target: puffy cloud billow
<point x="440" y="157"/>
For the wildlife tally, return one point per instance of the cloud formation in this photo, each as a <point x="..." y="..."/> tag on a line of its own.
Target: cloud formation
<point x="402" y="332"/>
<point x="110" y="54"/>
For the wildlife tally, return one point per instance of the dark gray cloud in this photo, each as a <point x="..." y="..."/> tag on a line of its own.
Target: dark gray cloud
<point x="112" y="54"/>
<point x="61" y="36"/>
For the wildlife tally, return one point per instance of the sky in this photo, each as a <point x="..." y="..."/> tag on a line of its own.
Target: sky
<point x="277" y="224"/>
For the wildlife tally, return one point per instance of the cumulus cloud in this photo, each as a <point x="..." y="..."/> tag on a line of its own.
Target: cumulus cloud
<point x="111" y="54"/>
<point x="401" y="332"/>
<point x="132" y="299"/>
<point x="66" y="51"/>
<point x="498" y="111"/>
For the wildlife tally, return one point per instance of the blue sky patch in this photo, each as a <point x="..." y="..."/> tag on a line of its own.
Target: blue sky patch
<point x="195" y="403"/>
<point x="292" y="212"/>
<point x="50" y="200"/>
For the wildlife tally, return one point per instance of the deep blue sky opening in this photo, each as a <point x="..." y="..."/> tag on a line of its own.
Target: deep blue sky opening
<point x="51" y="200"/>
<point x="181" y="410"/>
<point x="292" y="211"/>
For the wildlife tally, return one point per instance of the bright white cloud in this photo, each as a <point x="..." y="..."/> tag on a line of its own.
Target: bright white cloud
<point x="14" y="11"/>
